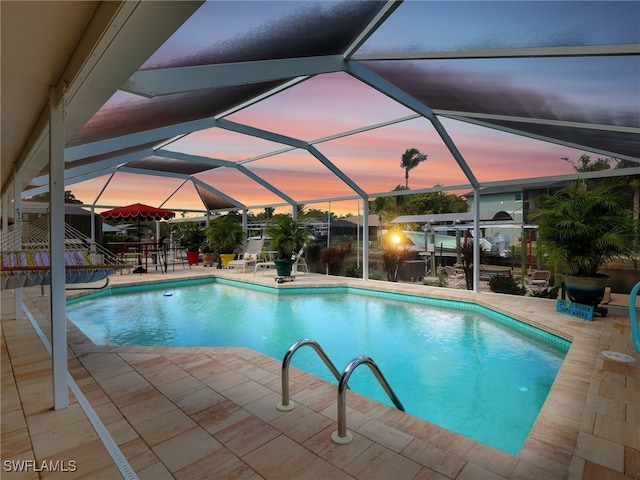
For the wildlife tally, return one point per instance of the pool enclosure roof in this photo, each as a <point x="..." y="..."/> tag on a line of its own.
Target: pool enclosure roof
<point x="220" y="105"/>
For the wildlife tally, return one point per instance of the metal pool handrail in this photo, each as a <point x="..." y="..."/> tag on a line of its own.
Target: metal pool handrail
<point x="633" y="316"/>
<point x="285" y="405"/>
<point x="341" y="436"/>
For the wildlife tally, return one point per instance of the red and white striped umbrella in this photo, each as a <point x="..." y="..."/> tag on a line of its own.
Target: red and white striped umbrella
<point x="138" y="211"/>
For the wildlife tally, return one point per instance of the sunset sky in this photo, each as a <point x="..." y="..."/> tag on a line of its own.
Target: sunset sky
<point x="332" y="103"/>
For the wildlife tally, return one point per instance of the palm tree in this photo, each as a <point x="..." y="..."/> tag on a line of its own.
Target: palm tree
<point x="582" y="228"/>
<point x="410" y="160"/>
<point x="586" y="164"/>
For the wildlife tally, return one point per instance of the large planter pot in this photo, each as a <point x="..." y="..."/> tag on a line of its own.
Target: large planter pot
<point x="585" y="290"/>
<point x="225" y="258"/>
<point x="192" y="257"/>
<point x="208" y="258"/>
<point x="283" y="267"/>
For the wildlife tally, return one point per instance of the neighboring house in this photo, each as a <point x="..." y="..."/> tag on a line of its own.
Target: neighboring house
<point x="342" y="228"/>
<point x="517" y="201"/>
<point x="504" y="215"/>
<point x="74" y="215"/>
<point x="374" y="224"/>
<point x="106" y="228"/>
<point x="509" y="199"/>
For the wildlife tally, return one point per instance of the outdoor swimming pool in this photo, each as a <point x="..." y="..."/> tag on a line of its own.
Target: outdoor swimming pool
<point x="460" y="366"/>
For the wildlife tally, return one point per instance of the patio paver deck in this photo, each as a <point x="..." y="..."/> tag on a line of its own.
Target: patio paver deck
<point x="210" y="412"/>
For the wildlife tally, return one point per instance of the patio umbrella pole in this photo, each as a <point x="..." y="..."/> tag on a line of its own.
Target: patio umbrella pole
<point x="139" y="268"/>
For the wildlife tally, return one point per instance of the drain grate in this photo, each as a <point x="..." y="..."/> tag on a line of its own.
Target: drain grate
<point x="617" y="356"/>
<point x="107" y="440"/>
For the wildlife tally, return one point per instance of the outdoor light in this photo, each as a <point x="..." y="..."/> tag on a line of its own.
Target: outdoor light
<point x="395" y="239"/>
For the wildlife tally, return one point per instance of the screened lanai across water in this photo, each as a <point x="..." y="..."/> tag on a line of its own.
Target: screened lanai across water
<point x="211" y="106"/>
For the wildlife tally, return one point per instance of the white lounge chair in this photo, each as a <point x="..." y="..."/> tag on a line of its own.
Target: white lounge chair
<point x="250" y="255"/>
<point x="455" y="276"/>
<point x="299" y="264"/>
<point x="537" y="281"/>
<point x="264" y="265"/>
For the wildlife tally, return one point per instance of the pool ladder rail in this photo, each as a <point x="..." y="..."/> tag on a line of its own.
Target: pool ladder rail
<point x="342" y="435"/>
<point x="633" y="316"/>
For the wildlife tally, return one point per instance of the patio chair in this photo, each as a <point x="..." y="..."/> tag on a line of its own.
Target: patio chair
<point x="264" y="265"/>
<point x="158" y="253"/>
<point x="455" y="276"/>
<point x="299" y="263"/>
<point x="180" y="252"/>
<point x="537" y="281"/>
<point x="250" y="256"/>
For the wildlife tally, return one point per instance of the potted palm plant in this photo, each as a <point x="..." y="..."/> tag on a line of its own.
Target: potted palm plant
<point x="225" y="234"/>
<point x="208" y="254"/>
<point x="580" y="229"/>
<point x="194" y="236"/>
<point x="288" y="236"/>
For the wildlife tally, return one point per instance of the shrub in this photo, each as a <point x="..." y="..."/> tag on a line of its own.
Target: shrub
<point x="547" y="293"/>
<point x="440" y="281"/>
<point x="392" y="257"/>
<point x="333" y="258"/>
<point x="505" y="284"/>
<point x="354" y="271"/>
<point x="376" y="273"/>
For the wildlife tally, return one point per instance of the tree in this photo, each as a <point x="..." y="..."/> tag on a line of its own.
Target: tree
<point x="300" y="210"/>
<point x="316" y="213"/>
<point x="434" y="202"/>
<point x="634" y="184"/>
<point x="586" y="164"/>
<point x="266" y="215"/>
<point x="410" y="160"/>
<point x="399" y="200"/>
<point x="44" y="197"/>
<point x="378" y="205"/>
<point x="417" y="204"/>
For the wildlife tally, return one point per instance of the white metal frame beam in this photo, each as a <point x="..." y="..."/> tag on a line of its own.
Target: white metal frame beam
<point x="167" y="81"/>
<point x="93" y="170"/>
<point x="293" y="142"/>
<point x="206" y="186"/>
<point x="56" y="250"/>
<point x="525" y="52"/>
<point x="370" y="29"/>
<point x="226" y="163"/>
<point x="464" y="116"/>
<point x="546" y="139"/>
<point x="115" y="144"/>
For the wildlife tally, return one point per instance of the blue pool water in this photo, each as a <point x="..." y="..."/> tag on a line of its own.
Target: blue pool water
<point x="467" y="369"/>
